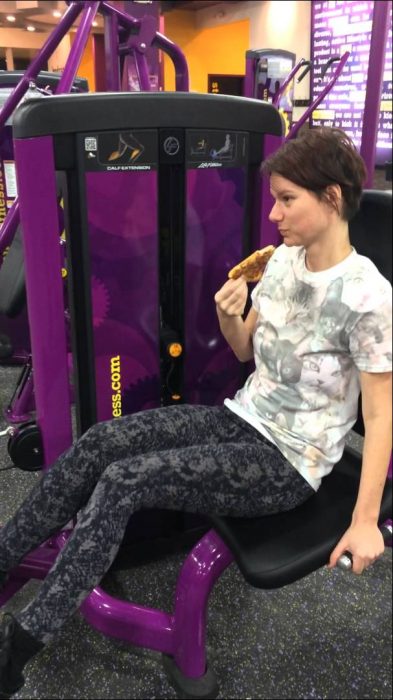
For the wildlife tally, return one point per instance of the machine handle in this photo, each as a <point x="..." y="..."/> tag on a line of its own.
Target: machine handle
<point x="297" y="126"/>
<point x="291" y="77"/>
<point x="345" y="561"/>
<point x="306" y="70"/>
<point x="328" y="63"/>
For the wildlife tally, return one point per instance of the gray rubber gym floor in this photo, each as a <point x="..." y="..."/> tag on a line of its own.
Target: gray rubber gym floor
<point x="326" y="636"/>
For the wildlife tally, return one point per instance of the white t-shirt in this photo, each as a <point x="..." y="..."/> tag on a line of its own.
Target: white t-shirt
<point x="315" y="331"/>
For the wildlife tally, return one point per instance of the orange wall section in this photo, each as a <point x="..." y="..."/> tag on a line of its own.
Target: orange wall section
<point x="218" y="49"/>
<point x="86" y="66"/>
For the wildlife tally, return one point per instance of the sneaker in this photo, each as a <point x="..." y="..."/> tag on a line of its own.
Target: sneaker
<point x="17" y="647"/>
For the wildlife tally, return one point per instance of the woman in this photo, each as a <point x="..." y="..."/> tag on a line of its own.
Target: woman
<point x="319" y="330"/>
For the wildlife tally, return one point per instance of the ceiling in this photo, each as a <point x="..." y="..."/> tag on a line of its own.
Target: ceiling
<point x="39" y="14"/>
<point x="193" y="5"/>
<point x="35" y="13"/>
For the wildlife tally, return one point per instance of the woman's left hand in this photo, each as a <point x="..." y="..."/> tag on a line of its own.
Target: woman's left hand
<point x="364" y="541"/>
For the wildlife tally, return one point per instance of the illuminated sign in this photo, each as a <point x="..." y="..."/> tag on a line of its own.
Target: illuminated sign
<point x="339" y="26"/>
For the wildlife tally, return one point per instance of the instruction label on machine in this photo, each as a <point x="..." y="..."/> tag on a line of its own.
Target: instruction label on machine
<point x="216" y="149"/>
<point x="119" y="151"/>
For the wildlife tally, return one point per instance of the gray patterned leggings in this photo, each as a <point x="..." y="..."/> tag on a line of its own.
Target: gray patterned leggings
<point x="199" y="459"/>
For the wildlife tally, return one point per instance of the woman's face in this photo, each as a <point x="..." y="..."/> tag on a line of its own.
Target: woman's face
<point x="301" y="217"/>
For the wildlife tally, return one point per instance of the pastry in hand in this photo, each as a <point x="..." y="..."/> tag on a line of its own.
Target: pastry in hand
<point x="253" y="267"/>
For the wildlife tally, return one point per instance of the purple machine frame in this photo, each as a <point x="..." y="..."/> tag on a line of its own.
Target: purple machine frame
<point x="182" y="633"/>
<point x="124" y="36"/>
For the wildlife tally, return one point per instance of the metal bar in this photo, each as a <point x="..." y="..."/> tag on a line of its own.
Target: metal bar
<point x="161" y="42"/>
<point x="9" y="226"/>
<point x="292" y="133"/>
<point x="142" y="71"/>
<point x="35" y="66"/>
<point x="135" y="624"/>
<point x="111" y="45"/>
<point x="376" y="62"/>
<point x="288" y="80"/>
<point x="74" y="59"/>
<point x="178" y="60"/>
<point x="203" y="566"/>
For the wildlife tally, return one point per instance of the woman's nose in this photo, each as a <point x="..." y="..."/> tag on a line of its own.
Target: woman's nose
<point x="275" y="213"/>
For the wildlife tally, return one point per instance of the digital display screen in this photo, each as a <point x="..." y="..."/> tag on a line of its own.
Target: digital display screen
<point x="339" y="26"/>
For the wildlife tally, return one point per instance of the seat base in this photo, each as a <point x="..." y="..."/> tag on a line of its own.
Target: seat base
<point x="276" y="550"/>
<point x="204" y="687"/>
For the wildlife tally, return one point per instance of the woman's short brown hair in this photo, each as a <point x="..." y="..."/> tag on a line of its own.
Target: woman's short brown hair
<point x="320" y="157"/>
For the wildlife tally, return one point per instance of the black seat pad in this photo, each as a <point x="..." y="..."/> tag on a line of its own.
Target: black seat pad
<point x="276" y="550"/>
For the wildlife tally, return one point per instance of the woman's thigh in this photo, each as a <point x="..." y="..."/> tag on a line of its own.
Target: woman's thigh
<point x="160" y="429"/>
<point x="233" y="478"/>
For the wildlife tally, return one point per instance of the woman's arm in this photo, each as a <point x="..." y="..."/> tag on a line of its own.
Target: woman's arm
<point x="230" y="304"/>
<point x="363" y="538"/>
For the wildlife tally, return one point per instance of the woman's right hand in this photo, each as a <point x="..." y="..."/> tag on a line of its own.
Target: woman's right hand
<point x="231" y="299"/>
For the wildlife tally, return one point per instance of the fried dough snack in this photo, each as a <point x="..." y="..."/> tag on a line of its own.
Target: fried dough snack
<point x="252" y="268"/>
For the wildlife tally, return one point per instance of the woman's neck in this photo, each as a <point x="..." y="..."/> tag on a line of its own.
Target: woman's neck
<point x="329" y="251"/>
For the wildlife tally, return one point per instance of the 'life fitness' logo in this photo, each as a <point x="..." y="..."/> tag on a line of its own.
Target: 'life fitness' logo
<point x="171" y="146"/>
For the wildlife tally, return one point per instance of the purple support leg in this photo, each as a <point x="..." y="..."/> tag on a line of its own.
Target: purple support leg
<point x="181" y="636"/>
<point x="204" y="565"/>
<point x="135" y="624"/>
<point x="45" y="293"/>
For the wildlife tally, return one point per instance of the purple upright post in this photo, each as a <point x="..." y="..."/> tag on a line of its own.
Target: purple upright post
<point x="40" y="60"/>
<point x="111" y="43"/>
<point x="179" y="61"/>
<point x="160" y="41"/>
<point x="249" y="78"/>
<point x="77" y="48"/>
<point x="137" y="45"/>
<point x="44" y="286"/>
<point x="376" y="62"/>
<point x="207" y="561"/>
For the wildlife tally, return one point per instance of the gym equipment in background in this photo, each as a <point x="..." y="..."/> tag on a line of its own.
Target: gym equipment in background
<point x="14" y="330"/>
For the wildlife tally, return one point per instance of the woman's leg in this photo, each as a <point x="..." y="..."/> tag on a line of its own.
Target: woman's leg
<point x="67" y="486"/>
<point x="241" y="476"/>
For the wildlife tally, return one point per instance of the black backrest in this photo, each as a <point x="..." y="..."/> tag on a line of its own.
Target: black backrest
<point x="370" y="233"/>
<point x="12" y="279"/>
<point x="12" y="272"/>
<point x="370" y="230"/>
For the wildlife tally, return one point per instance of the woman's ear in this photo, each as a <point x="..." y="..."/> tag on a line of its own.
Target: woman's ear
<point x="334" y="197"/>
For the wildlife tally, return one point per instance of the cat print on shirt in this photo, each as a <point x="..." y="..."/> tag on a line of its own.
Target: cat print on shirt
<point x="336" y="319"/>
